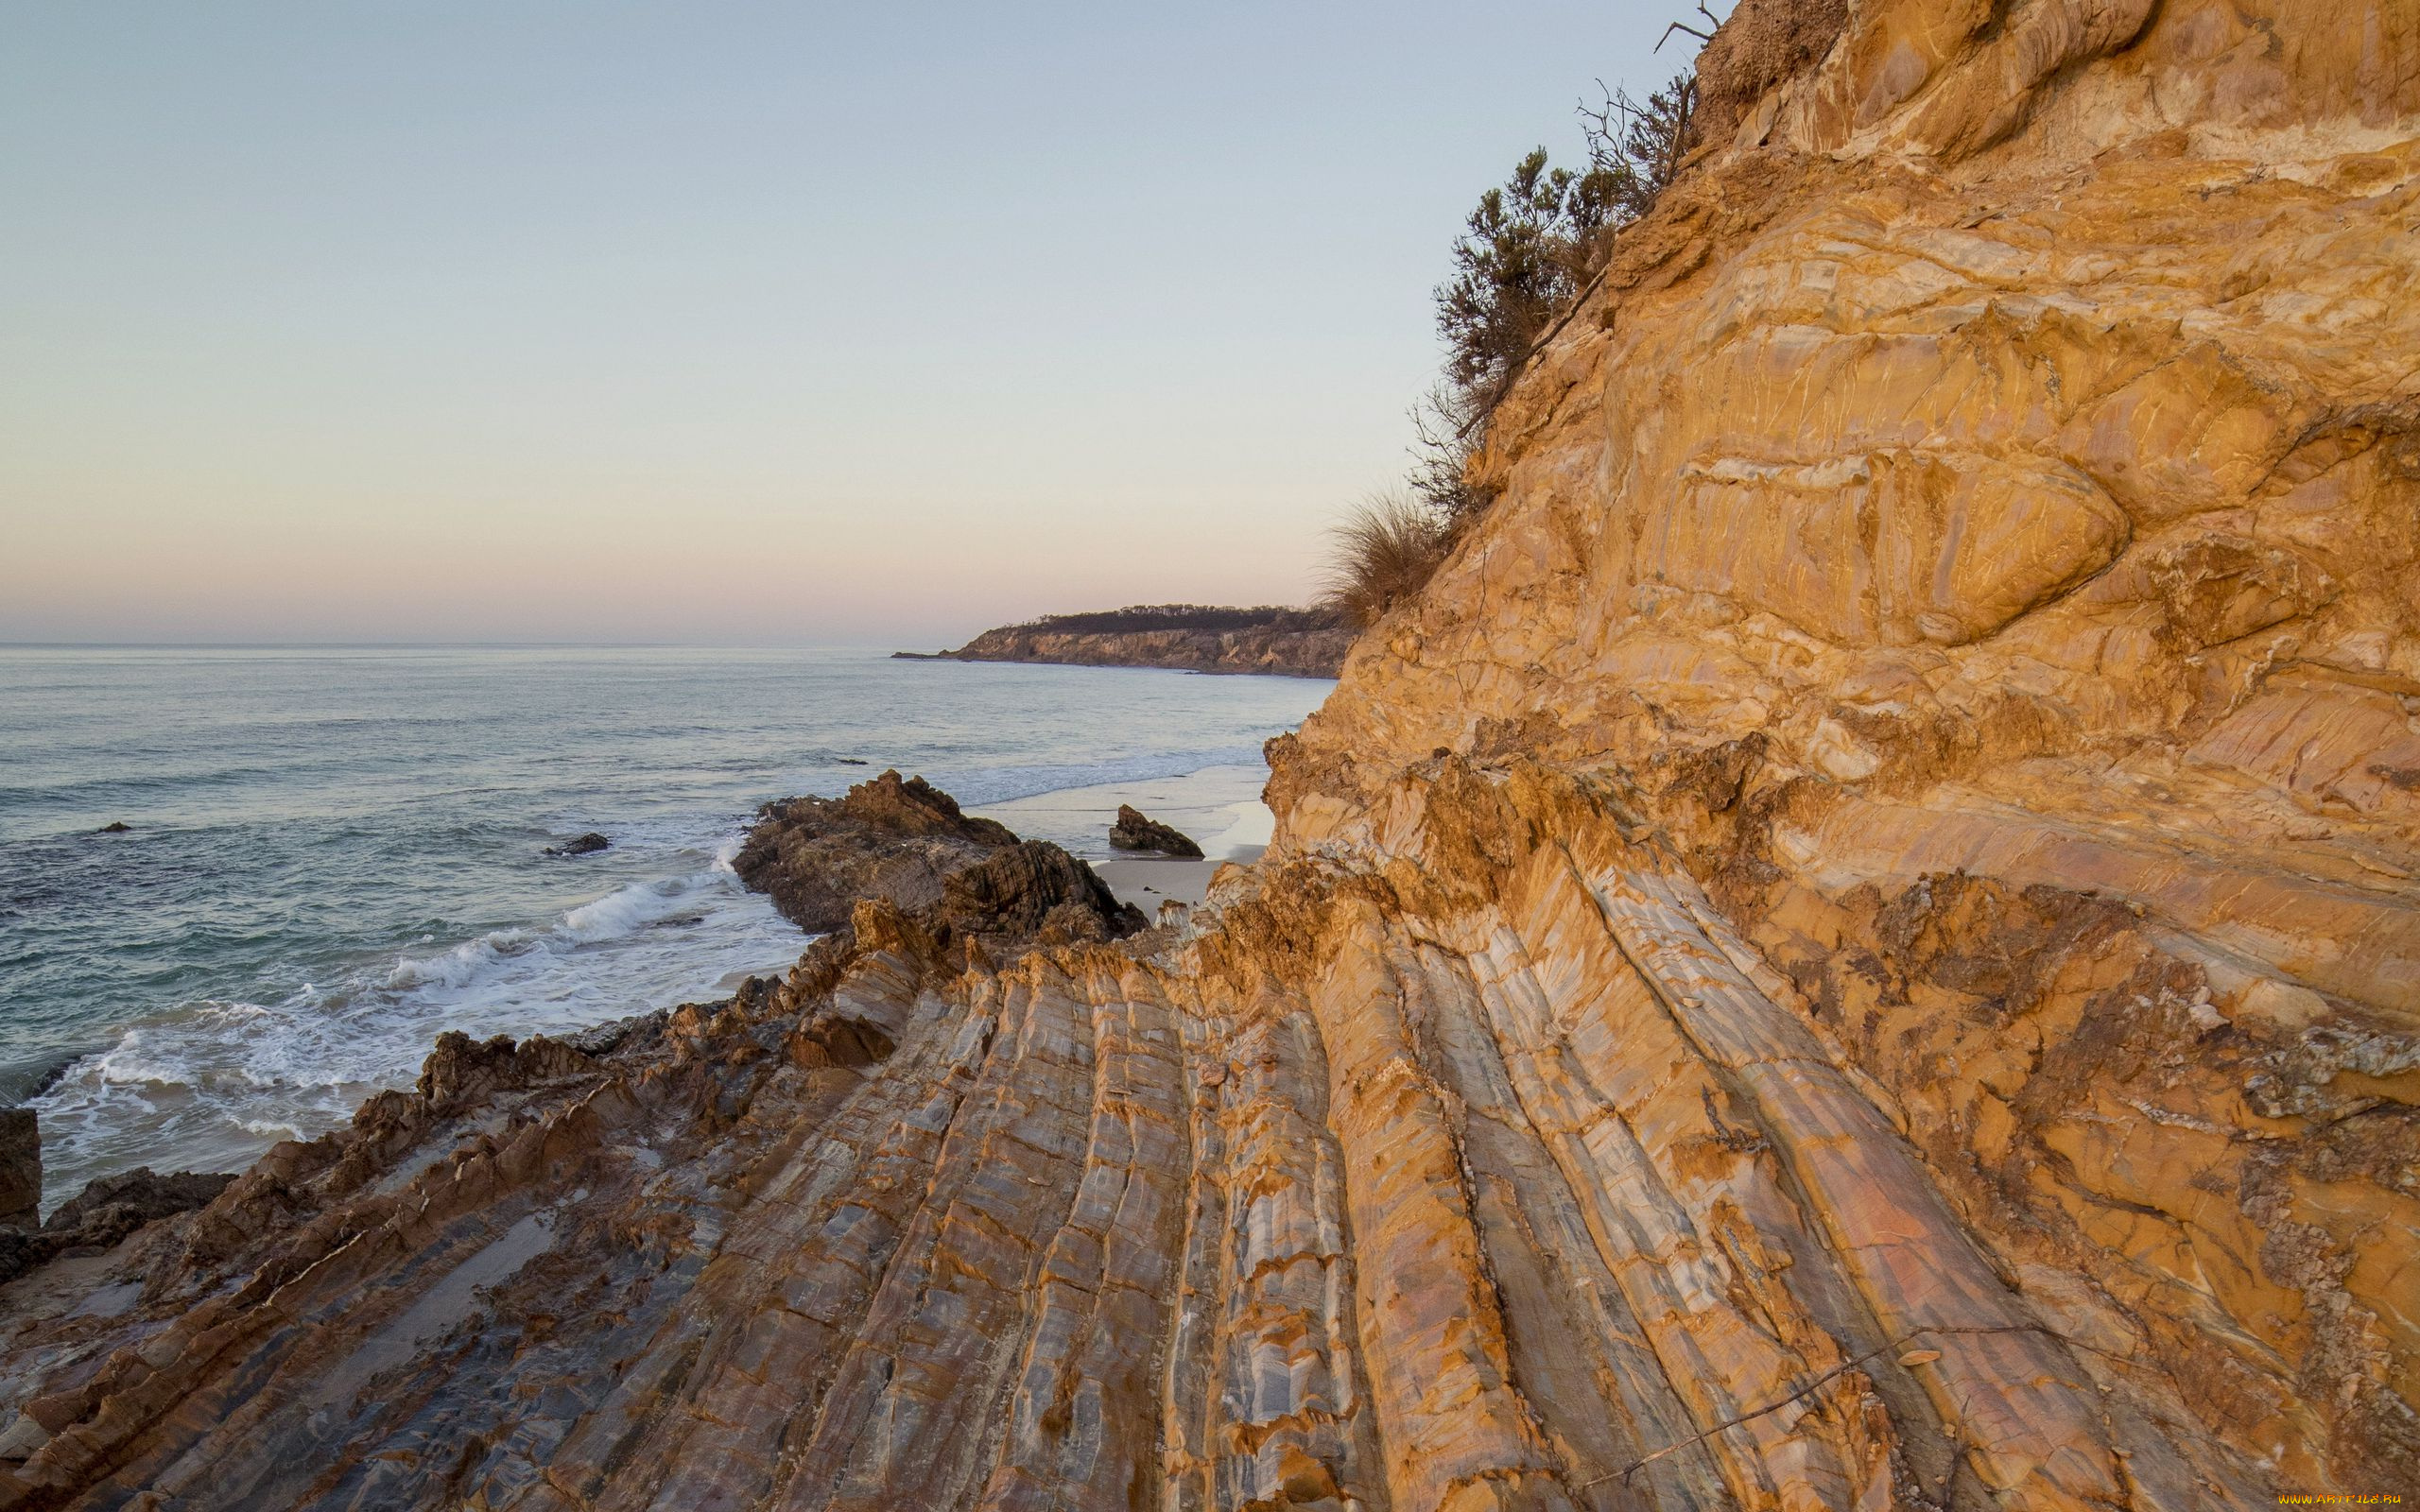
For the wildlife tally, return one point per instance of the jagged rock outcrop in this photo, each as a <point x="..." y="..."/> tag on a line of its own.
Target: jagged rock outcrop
<point x="908" y="845"/>
<point x="20" y="1167"/>
<point x="1857" y="948"/>
<point x="1294" y="643"/>
<point x="886" y="838"/>
<point x="1136" y="830"/>
<point x="105" y="1213"/>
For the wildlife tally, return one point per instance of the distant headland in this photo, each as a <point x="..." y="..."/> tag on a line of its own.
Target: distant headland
<point x="1295" y="642"/>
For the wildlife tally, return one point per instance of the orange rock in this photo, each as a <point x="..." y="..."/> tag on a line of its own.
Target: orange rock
<point x="1855" y="949"/>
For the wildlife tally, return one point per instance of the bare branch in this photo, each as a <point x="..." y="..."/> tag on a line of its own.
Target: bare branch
<point x="1895" y="1344"/>
<point x="1703" y="37"/>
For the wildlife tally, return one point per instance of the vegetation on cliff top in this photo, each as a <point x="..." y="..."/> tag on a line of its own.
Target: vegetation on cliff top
<point x="1135" y="617"/>
<point x="1528" y="254"/>
<point x="1532" y="247"/>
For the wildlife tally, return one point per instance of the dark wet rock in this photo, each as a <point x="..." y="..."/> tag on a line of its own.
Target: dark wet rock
<point x="849" y="760"/>
<point x="907" y="844"/>
<point x="52" y="1075"/>
<point x="588" y="844"/>
<point x="115" y="826"/>
<point x="616" y="1034"/>
<point x="27" y="1080"/>
<point x="20" y="1167"/>
<point x="105" y="1213"/>
<point x="1134" y="831"/>
<point x="892" y="838"/>
<point x="20" y="1250"/>
<point x="111" y="1207"/>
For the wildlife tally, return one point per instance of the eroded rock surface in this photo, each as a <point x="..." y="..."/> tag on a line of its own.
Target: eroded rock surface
<point x="888" y="838"/>
<point x="1855" y="950"/>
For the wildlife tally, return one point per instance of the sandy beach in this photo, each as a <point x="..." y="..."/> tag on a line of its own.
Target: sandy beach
<point x="1218" y="806"/>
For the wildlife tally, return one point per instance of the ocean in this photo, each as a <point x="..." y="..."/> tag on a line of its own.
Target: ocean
<point x="334" y="855"/>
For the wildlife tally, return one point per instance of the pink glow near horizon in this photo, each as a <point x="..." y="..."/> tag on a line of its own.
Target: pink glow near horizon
<point x="720" y="323"/>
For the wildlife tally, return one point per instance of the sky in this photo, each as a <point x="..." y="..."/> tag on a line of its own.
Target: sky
<point x="541" y="320"/>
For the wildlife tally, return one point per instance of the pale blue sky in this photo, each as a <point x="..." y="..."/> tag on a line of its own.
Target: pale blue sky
<point x="725" y="322"/>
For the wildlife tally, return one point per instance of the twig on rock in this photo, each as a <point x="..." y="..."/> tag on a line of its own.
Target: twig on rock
<point x="1902" y="1342"/>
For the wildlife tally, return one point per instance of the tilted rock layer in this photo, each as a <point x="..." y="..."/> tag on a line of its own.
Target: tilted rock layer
<point x="1856" y="949"/>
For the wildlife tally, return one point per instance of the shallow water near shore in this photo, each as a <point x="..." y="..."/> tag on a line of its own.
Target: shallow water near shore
<point x="336" y="854"/>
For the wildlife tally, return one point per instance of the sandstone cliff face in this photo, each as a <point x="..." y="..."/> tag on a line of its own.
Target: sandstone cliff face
<point x="1972" y="540"/>
<point x="1855" y="950"/>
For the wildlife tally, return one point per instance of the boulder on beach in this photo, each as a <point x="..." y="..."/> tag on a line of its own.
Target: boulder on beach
<point x="1133" y="831"/>
<point x="588" y="844"/>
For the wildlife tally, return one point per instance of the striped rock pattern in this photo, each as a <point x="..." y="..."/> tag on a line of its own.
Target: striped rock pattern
<point x="1855" y="949"/>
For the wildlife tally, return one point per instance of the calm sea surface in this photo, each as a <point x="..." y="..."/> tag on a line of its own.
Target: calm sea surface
<point x="336" y="854"/>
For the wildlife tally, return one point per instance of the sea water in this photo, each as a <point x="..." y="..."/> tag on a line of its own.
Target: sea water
<point x="336" y="856"/>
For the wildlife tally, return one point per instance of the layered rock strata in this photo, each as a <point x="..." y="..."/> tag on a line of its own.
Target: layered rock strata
<point x="1281" y="641"/>
<point x="1854" y="950"/>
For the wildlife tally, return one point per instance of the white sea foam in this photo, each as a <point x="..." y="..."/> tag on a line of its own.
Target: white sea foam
<point x="211" y="1085"/>
<point x="289" y="828"/>
<point x="133" y="1063"/>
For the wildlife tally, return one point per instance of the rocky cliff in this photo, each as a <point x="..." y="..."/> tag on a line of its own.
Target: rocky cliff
<point x="1856" y="949"/>
<point x="1188" y="637"/>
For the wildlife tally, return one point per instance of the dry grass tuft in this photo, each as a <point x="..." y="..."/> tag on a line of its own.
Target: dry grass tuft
<point x="1384" y="551"/>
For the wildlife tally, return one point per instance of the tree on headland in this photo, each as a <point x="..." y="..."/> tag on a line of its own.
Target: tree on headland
<point x="1523" y="256"/>
<point x="1535" y="245"/>
<point x="1528" y="254"/>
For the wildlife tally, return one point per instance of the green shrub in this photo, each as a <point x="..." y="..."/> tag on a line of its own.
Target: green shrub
<point x="1527" y="255"/>
<point x="1524" y="255"/>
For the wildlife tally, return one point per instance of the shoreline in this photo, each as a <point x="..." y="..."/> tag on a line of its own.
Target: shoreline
<point x="281" y="1033"/>
<point x="1147" y="882"/>
<point x="1217" y="805"/>
<point x="1111" y="666"/>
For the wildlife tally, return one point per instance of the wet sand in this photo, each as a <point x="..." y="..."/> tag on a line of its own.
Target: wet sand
<point x="1149" y="880"/>
<point x="1218" y="806"/>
